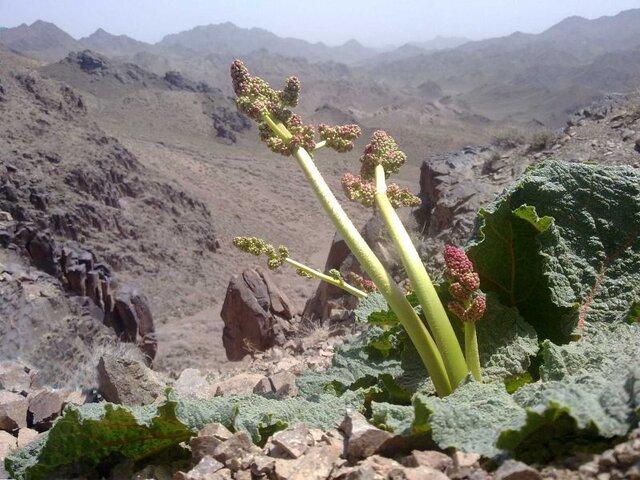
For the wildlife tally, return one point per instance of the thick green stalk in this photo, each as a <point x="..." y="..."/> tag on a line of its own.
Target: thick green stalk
<point x="471" y="350"/>
<point x="328" y="278"/>
<point x="434" y="312"/>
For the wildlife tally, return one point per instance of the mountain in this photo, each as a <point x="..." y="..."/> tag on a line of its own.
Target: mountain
<point x="440" y="43"/>
<point x="113" y="45"/>
<point x="230" y="40"/>
<point x="40" y="40"/>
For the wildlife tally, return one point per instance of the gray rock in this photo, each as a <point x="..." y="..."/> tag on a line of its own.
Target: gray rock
<point x="128" y="382"/>
<point x="8" y="443"/>
<point x="294" y="440"/>
<point x="26" y="436"/>
<point x="514" y="470"/>
<point x="241" y="384"/>
<point x="363" y="439"/>
<point x="206" y="469"/>
<point x="428" y="458"/>
<point x="316" y="464"/>
<point x="13" y="411"/>
<point x="15" y="377"/>
<point x="193" y="384"/>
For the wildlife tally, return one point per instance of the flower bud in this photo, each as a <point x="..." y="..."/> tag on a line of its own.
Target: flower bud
<point x="358" y="190"/>
<point x="362" y="283"/>
<point x="291" y="92"/>
<point x="401" y="197"/>
<point x="381" y="150"/>
<point x="469" y="305"/>
<point x="341" y="137"/>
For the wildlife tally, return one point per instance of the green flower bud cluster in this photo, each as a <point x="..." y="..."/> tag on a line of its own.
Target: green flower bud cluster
<point x="341" y="137"/>
<point x="363" y="191"/>
<point x="381" y="150"/>
<point x="257" y="246"/>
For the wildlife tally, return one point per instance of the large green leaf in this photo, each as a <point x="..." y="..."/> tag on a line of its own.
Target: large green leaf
<point x="562" y="245"/>
<point x="89" y="435"/>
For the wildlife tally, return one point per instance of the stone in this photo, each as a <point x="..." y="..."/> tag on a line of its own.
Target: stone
<point x="241" y="384"/>
<point x="284" y="384"/>
<point x="206" y="469"/>
<point x="203" y="445"/>
<point x="256" y="314"/>
<point x="242" y="475"/>
<point x="44" y="407"/>
<point x="627" y="134"/>
<point x="464" y="459"/>
<point x="236" y="453"/>
<point x="13" y="411"/>
<point x="418" y="473"/>
<point x="428" y="458"/>
<point x="128" y="382"/>
<point x="132" y="318"/>
<point x="193" y="384"/>
<point x="262" y="465"/>
<point x="363" y="439"/>
<point x="14" y="377"/>
<point x="374" y="467"/>
<point x="8" y="443"/>
<point x="216" y="430"/>
<point x="264" y="386"/>
<point x="5" y="217"/>
<point x="334" y="439"/>
<point x="26" y="436"/>
<point x="514" y="470"/>
<point x="294" y="440"/>
<point x="316" y="464"/>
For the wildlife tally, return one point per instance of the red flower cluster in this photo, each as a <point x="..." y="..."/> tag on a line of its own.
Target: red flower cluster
<point x="381" y="150"/>
<point x="341" y="137"/>
<point x="469" y="304"/>
<point x="361" y="282"/>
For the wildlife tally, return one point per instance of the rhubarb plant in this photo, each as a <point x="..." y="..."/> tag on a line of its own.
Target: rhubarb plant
<point x="284" y="132"/>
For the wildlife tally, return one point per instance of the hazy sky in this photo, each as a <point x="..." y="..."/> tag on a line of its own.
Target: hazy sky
<point x="373" y="22"/>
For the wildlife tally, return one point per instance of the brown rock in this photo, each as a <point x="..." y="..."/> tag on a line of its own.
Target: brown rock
<point x="216" y="430"/>
<point x="374" y="467"/>
<point x="428" y="458"/>
<point x="128" y="382"/>
<point x="132" y="318"/>
<point x="464" y="459"/>
<point x="193" y="384"/>
<point x="237" y="452"/>
<point x="206" y="469"/>
<point x="316" y="464"/>
<point x="514" y="470"/>
<point x="263" y="465"/>
<point x="363" y="439"/>
<point x="256" y="314"/>
<point x="13" y="411"/>
<point x="243" y="475"/>
<point x="294" y="440"/>
<point x="8" y="443"/>
<point x="284" y="384"/>
<point x="418" y="473"/>
<point x="26" y="436"/>
<point x="241" y="384"/>
<point x="264" y="386"/>
<point x="14" y="377"/>
<point x="44" y="407"/>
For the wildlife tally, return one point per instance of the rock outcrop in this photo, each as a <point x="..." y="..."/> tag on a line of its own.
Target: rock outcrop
<point x="257" y="315"/>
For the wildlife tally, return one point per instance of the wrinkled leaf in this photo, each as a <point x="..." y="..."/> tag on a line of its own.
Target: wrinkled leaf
<point x="562" y="245"/>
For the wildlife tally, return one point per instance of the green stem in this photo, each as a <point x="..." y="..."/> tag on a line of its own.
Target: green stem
<point x="416" y="330"/>
<point x="471" y="350"/>
<point x="320" y="145"/>
<point x="434" y="312"/>
<point x="327" y="278"/>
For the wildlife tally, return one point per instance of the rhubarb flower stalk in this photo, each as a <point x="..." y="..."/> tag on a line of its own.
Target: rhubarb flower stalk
<point x="468" y="303"/>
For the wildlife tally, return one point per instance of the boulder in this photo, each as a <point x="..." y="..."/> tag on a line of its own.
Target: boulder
<point x="256" y="313"/>
<point x="428" y="458"/>
<point x="13" y="411"/>
<point x="26" y="436"/>
<point x="316" y="464"/>
<point x="514" y="470"/>
<point x="8" y="443"/>
<point x="193" y="384"/>
<point x="44" y="407"/>
<point x="132" y="318"/>
<point x="128" y="382"/>
<point x="240" y="384"/>
<point x="362" y="438"/>
<point x="294" y="440"/>
<point x="15" y="377"/>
